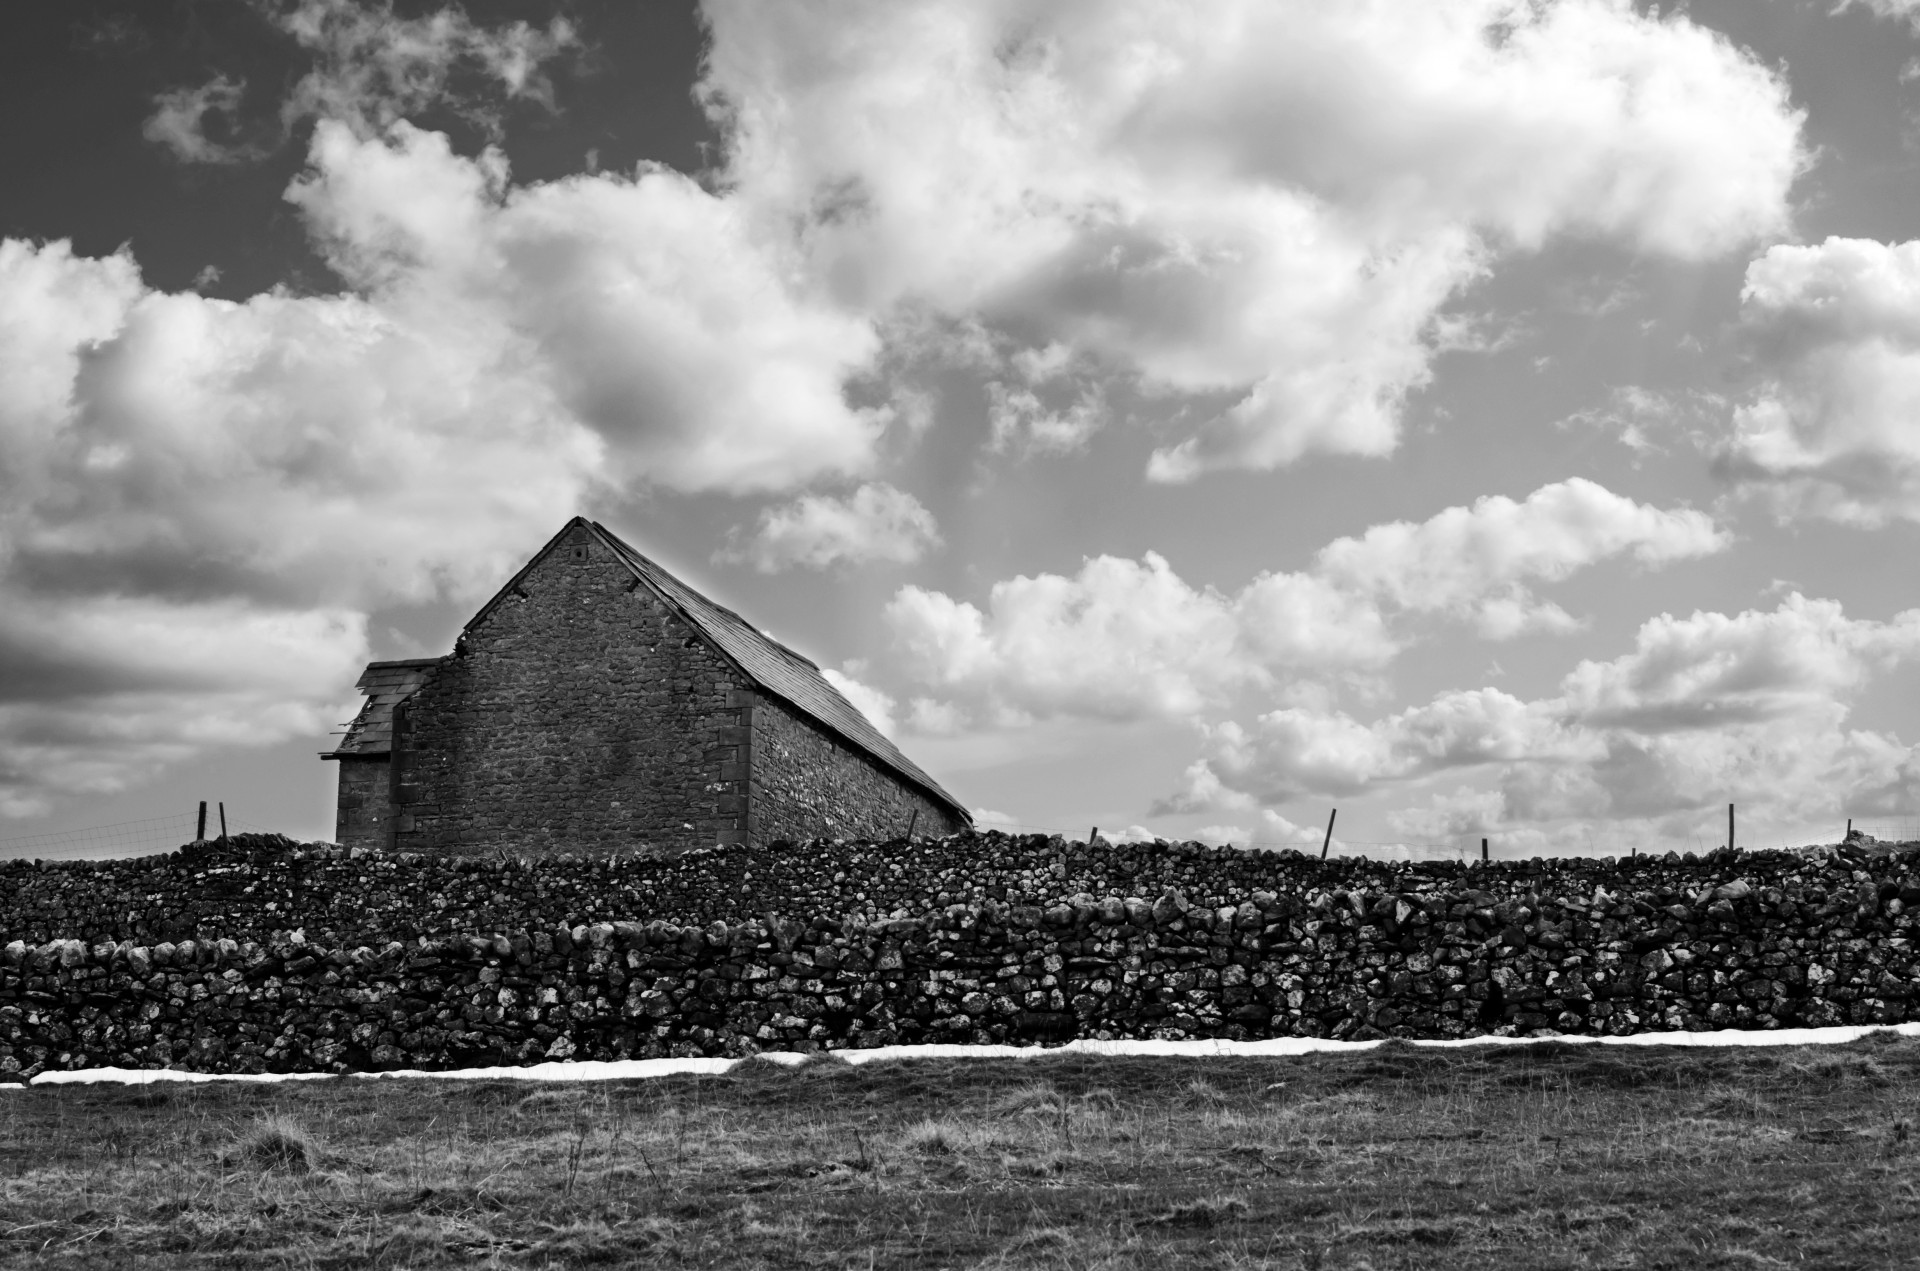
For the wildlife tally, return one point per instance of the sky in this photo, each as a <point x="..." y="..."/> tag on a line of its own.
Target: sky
<point x="1488" y="418"/>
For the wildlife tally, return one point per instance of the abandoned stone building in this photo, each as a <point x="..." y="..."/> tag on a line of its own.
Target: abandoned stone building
<point x="598" y="703"/>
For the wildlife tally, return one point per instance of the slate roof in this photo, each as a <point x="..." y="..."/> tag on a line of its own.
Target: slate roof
<point x="384" y="683"/>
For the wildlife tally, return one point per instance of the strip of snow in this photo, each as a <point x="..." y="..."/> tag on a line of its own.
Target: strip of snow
<point x="637" y="1069"/>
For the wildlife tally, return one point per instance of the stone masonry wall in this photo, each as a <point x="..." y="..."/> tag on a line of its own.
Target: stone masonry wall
<point x="806" y="783"/>
<point x="989" y="938"/>
<point x="361" y="818"/>
<point x="580" y="712"/>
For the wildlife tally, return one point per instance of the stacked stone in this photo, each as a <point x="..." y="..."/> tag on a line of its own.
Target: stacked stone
<point x="256" y="885"/>
<point x="1341" y="949"/>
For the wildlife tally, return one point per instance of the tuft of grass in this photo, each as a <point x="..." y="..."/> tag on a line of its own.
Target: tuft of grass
<point x="1206" y="1211"/>
<point x="1204" y="1092"/>
<point x="938" y="1136"/>
<point x="277" y="1142"/>
<point x="1732" y="1101"/>
<point x="1031" y="1096"/>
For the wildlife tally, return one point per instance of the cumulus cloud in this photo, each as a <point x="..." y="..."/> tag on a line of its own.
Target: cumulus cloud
<point x="1828" y="432"/>
<point x="1270" y="206"/>
<point x="1291" y="752"/>
<point x="1127" y="639"/>
<point x="1121" y="640"/>
<point x="1475" y="562"/>
<point x="876" y="523"/>
<point x="1705" y="709"/>
<point x="286" y="464"/>
<point x="202" y="499"/>
<point x="641" y="305"/>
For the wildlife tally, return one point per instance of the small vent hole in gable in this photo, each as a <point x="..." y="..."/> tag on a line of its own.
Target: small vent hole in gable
<point x="579" y="553"/>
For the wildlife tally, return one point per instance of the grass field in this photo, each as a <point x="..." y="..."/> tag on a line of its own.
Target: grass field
<point x="1536" y="1156"/>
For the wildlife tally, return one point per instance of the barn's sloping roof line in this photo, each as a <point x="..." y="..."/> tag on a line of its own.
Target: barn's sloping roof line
<point x="779" y="670"/>
<point x="385" y="684"/>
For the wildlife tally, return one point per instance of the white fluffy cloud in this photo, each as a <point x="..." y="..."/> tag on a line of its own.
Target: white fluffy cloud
<point x="644" y="307"/>
<point x="1120" y="640"/>
<point x="1270" y="204"/>
<point x="874" y="523"/>
<point x="1829" y="432"/>
<point x="1125" y="639"/>
<point x="1290" y="752"/>
<point x="1706" y="709"/>
<point x="1475" y="562"/>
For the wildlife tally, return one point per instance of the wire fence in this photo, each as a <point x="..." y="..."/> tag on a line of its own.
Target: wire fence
<point x="123" y="838"/>
<point x="164" y="833"/>
<point x="1376" y="849"/>
<point x="1896" y="830"/>
<point x="127" y="838"/>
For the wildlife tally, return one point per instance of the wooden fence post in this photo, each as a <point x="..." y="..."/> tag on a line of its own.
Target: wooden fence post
<point x="1328" y="841"/>
<point x="1729" y="827"/>
<point x="223" y="820"/>
<point x="1483" y="851"/>
<point x="200" y="831"/>
<point x="911" y="822"/>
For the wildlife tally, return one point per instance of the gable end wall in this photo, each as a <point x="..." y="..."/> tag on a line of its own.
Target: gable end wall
<point x="581" y="714"/>
<point x="807" y="783"/>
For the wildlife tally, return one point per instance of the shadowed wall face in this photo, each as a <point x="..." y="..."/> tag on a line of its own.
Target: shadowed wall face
<point x="806" y="784"/>
<point x="363" y="817"/>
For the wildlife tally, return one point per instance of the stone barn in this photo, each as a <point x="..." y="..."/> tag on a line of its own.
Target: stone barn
<point x="598" y="703"/>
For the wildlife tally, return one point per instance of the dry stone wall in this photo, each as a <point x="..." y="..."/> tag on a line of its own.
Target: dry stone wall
<point x="266" y="955"/>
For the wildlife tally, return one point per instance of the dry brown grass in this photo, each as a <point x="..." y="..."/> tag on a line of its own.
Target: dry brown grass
<point x="1545" y="1156"/>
